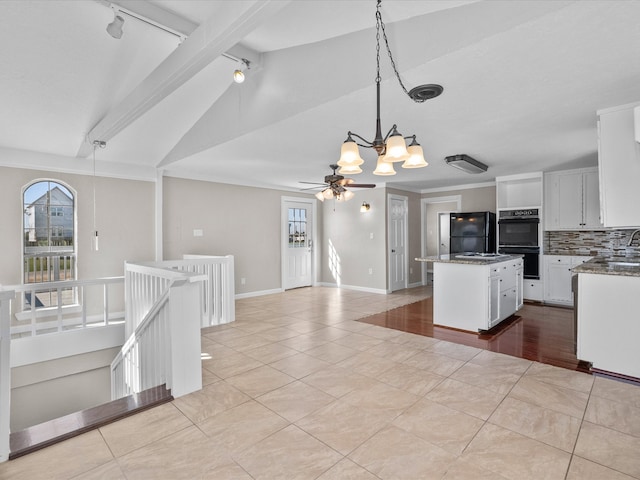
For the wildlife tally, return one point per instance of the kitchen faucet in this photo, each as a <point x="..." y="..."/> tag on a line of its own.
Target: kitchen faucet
<point x="631" y="237"/>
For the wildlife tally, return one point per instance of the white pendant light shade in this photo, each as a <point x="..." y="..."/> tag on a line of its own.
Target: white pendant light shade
<point x="349" y="170"/>
<point x="350" y="154"/>
<point x="384" y="168"/>
<point x="320" y="196"/>
<point x="327" y="193"/>
<point x="416" y="157"/>
<point x="396" y="150"/>
<point x="347" y="195"/>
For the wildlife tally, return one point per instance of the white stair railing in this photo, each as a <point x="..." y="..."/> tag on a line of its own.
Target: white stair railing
<point x="163" y="315"/>
<point x="6" y="296"/>
<point x="218" y="290"/>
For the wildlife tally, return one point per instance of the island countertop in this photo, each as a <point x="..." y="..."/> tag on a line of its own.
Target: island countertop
<point x="628" y="266"/>
<point x="468" y="259"/>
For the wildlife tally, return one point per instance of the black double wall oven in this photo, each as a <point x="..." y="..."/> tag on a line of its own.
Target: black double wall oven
<point x="518" y="234"/>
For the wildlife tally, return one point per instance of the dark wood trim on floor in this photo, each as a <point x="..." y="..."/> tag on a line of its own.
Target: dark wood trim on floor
<point x="536" y="332"/>
<point x="48" y="433"/>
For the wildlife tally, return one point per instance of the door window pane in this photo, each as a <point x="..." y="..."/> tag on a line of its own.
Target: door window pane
<point x="297" y="227"/>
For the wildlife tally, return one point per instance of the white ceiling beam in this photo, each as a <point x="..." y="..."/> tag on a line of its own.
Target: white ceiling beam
<point x="212" y="38"/>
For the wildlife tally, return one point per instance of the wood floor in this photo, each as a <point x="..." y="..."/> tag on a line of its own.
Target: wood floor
<point x="536" y="332"/>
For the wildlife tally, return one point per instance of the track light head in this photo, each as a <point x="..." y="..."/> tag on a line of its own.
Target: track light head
<point x="115" y="28"/>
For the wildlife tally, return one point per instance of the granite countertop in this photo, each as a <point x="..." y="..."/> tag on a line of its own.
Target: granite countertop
<point x="628" y="265"/>
<point x="468" y="259"/>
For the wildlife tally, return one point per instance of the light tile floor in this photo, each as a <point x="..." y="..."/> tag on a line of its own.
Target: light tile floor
<point x="296" y="389"/>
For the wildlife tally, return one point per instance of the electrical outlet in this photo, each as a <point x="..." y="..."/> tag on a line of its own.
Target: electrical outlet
<point x="243" y="281"/>
<point x="371" y="271"/>
<point x="198" y="232"/>
<point x="371" y="236"/>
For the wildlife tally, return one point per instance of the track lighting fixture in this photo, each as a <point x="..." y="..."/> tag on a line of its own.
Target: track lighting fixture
<point x="115" y="28"/>
<point x="238" y="75"/>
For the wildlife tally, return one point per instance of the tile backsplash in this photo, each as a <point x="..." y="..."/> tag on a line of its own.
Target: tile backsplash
<point x="588" y="242"/>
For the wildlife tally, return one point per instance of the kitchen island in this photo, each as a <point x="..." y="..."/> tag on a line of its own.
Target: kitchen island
<point x="475" y="292"/>
<point x="608" y="318"/>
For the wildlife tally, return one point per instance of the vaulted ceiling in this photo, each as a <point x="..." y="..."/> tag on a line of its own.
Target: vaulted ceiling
<point x="522" y="83"/>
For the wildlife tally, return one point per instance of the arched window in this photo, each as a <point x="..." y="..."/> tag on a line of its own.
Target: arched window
<point x="49" y="243"/>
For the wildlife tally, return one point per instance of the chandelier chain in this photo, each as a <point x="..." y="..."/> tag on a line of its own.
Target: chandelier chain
<point x="381" y="26"/>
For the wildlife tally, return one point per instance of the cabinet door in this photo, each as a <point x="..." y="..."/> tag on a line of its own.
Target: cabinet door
<point x="591" y="193"/>
<point x="558" y="280"/>
<point x="570" y="200"/>
<point x="519" y="287"/>
<point x="619" y="161"/>
<point x="494" y="300"/>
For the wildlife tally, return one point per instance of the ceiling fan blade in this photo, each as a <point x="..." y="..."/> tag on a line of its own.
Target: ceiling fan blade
<point x="362" y="185"/>
<point x="313" y="183"/>
<point x="312" y="188"/>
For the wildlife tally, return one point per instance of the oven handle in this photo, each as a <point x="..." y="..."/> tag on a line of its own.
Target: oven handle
<point x="519" y="220"/>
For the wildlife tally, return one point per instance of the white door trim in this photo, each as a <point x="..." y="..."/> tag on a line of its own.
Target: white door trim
<point x="405" y="201"/>
<point x="423" y="226"/>
<point x="284" y="240"/>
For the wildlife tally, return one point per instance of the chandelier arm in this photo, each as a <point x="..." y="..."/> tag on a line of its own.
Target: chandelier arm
<point x="369" y="144"/>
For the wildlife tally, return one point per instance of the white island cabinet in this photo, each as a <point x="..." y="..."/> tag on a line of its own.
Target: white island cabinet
<point x="608" y="323"/>
<point x="476" y="294"/>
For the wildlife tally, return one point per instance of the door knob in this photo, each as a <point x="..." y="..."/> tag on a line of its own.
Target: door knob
<point x="393" y="251"/>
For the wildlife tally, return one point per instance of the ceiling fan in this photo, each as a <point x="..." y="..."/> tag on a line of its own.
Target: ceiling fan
<point x="334" y="187"/>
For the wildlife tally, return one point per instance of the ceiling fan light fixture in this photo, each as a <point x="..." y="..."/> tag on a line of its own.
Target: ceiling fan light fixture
<point x="347" y="195"/>
<point x="384" y="168"/>
<point x="327" y="193"/>
<point x="320" y="196"/>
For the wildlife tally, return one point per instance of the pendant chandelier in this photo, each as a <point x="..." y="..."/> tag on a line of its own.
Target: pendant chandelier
<point x="392" y="147"/>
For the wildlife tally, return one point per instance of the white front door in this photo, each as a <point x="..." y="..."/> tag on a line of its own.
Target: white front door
<point x="397" y="242"/>
<point x="297" y="243"/>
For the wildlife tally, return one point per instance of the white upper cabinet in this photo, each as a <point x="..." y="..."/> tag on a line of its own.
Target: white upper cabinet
<point x="519" y="191"/>
<point x="572" y="200"/>
<point x="619" y="164"/>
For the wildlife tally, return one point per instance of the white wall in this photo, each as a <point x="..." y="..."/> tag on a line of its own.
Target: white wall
<point x="240" y="221"/>
<point x="124" y="219"/>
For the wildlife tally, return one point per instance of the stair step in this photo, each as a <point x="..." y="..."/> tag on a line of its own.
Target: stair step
<point x="60" y="429"/>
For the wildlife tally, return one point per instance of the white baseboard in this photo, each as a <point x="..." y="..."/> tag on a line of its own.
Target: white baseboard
<point x="258" y="293"/>
<point x="354" y="287"/>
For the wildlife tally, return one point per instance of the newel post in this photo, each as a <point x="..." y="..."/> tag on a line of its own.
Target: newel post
<point x="184" y="319"/>
<point x="5" y="372"/>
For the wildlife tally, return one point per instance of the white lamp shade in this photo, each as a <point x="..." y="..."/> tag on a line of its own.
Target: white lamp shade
<point x="347" y="195"/>
<point x="350" y="155"/>
<point x="416" y="158"/>
<point x="320" y="196"/>
<point x="327" y="193"/>
<point x="396" y="150"/>
<point x="349" y="170"/>
<point x="384" y="168"/>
